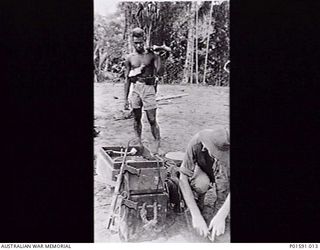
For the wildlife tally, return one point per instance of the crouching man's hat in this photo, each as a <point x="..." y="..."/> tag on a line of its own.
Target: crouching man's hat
<point x="217" y="142"/>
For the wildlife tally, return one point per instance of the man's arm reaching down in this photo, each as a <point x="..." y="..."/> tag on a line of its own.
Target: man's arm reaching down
<point x="127" y="83"/>
<point x="197" y="220"/>
<point x="217" y="224"/>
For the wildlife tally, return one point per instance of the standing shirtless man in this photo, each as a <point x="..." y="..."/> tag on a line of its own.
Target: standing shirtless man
<point x="141" y="69"/>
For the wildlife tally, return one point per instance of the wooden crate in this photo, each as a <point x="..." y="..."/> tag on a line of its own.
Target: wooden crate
<point x="109" y="163"/>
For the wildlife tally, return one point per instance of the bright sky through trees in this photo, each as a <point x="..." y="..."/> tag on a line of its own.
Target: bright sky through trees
<point x="105" y="7"/>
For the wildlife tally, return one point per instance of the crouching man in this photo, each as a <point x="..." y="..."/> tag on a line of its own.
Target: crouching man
<point x="206" y="162"/>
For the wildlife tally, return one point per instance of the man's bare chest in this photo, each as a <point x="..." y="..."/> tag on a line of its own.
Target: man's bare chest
<point x="138" y="60"/>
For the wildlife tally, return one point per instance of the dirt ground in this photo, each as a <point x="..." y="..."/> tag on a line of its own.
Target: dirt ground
<point x="179" y="119"/>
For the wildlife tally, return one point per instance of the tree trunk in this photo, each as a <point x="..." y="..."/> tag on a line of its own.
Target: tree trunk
<point x="207" y="48"/>
<point x="102" y="59"/>
<point x="219" y="70"/>
<point x="129" y="44"/>
<point x="187" y="74"/>
<point x="197" y="56"/>
<point x="192" y="55"/>
<point x="187" y="61"/>
<point x="128" y="26"/>
<point x="125" y="30"/>
<point x="95" y="51"/>
<point x="149" y="36"/>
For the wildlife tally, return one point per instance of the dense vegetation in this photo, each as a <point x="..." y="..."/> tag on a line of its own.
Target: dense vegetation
<point x="186" y="27"/>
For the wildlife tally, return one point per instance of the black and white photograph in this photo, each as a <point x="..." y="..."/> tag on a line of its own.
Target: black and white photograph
<point x="161" y="121"/>
<point x="118" y="118"/>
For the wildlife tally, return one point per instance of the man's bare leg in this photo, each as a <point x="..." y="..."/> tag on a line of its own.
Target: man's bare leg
<point x="155" y="130"/>
<point x="137" y="114"/>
